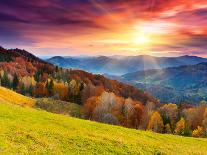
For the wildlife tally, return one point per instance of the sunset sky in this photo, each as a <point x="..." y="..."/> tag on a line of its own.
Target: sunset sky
<point x="105" y="27"/>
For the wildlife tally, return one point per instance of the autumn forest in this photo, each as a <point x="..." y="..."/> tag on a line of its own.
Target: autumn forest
<point x="101" y="99"/>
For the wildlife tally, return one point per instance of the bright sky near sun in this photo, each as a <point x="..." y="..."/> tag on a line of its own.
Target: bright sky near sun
<point x="105" y="27"/>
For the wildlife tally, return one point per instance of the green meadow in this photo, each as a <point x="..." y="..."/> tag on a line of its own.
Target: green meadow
<point x="24" y="130"/>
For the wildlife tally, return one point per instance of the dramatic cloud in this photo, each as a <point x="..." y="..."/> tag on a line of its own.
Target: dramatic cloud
<point x="105" y="27"/>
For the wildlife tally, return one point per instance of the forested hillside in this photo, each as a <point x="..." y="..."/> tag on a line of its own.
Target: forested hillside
<point x="100" y="99"/>
<point x="27" y="74"/>
<point x="31" y="131"/>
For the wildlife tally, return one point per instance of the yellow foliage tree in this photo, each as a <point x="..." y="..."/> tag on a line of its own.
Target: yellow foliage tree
<point x="199" y="132"/>
<point x="27" y="81"/>
<point x="156" y="123"/>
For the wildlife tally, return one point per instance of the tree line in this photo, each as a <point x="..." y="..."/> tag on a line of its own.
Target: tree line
<point x="166" y="118"/>
<point x="100" y="104"/>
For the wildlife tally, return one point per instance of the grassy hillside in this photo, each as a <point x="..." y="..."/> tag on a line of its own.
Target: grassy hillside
<point x="59" y="107"/>
<point x="51" y="105"/>
<point x="9" y="96"/>
<point x="24" y="130"/>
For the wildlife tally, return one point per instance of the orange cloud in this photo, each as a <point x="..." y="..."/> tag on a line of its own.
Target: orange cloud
<point x="106" y="27"/>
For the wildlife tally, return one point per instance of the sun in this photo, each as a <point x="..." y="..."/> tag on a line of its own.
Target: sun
<point x="141" y="39"/>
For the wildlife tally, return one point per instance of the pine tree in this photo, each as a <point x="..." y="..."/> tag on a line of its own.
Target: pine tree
<point x="30" y="90"/>
<point x="51" y="86"/>
<point x="38" y="75"/>
<point x="56" y="68"/>
<point x="15" y="82"/>
<point x="5" y="80"/>
<point x="23" y="89"/>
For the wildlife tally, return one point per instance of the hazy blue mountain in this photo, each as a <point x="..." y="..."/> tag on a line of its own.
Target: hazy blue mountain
<point x="176" y="84"/>
<point x="119" y="65"/>
<point x="64" y="62"/>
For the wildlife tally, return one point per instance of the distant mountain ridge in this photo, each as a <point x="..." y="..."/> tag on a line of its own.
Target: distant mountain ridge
<point x="176" y="84"/>
<point x="119" y="65"/>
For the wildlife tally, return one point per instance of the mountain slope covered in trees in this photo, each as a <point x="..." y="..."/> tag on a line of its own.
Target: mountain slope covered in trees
<point x="119" y="65"/>
<point x="177" y="84"/>
<point x="27" y="74"/>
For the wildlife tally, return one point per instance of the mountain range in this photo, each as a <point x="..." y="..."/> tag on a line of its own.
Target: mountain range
<point x="175" y="84"/>
<point x="119" y="65"/>
<point x="33" y="74"/>
<point x="184" y="83"/>
<point x="170" y="79"/>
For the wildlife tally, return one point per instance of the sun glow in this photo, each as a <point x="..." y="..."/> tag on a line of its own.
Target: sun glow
<point x="141" y="39"/>
<point x="148" y="33"/>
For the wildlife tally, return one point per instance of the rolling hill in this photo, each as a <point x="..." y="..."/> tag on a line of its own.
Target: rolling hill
<point x="27" y="66"/>
<point x="24" y="130"/>
<point x="119" y="65"/>
<point x="176" y="84"/>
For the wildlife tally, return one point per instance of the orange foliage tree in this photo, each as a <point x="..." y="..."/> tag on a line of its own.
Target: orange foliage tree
<point x="40" y="90"/>
<point x="61" y="91"/>
<point x="89" y="106"/>
<point x="180" y="126"/>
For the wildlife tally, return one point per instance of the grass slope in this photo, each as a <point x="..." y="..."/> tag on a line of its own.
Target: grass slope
<point x="50" y="105"/>
<point x="24" y="130"/>
<point x="9" y="96"/>
<point x="59" y="107"/>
